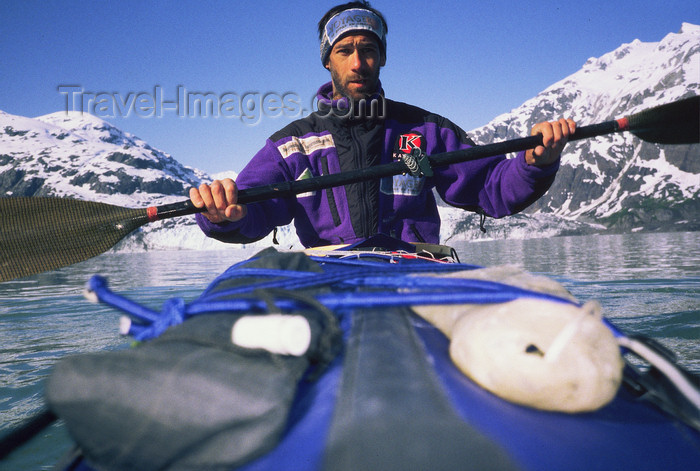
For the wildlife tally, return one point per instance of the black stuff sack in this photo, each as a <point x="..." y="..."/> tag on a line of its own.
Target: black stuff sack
<point x="189" y="399"/>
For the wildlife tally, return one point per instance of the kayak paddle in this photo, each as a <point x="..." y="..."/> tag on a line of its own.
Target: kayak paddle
<point x="41" y="233"/>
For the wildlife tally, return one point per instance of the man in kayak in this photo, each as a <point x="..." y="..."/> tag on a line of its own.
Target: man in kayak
<point x="356" y="127"/>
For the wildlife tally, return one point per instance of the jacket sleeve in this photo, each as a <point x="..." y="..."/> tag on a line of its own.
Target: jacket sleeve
<point x="496" y="185"/>
<point x="266" y="167"/>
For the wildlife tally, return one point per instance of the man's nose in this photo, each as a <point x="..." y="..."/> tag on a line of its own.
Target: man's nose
<point x="356" y="61"/>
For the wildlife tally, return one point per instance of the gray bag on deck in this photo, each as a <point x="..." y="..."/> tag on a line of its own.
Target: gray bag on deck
<point x="189" y="399"/>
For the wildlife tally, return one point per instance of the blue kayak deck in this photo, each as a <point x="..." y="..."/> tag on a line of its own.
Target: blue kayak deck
<point x="626" y="434"/>
<point x="393" y="399"/>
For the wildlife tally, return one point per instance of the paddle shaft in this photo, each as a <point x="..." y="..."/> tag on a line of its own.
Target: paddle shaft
<point x="673" y="123"/>
<point x="40" y="234"/>
<point x="290" y="188"/>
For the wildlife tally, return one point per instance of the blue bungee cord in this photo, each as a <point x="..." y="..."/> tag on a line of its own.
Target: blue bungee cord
<point x="361" y="284"/>
<point x="386" y="286"/>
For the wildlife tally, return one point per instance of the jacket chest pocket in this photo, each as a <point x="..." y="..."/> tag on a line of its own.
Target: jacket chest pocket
<point x="329" y="194"/>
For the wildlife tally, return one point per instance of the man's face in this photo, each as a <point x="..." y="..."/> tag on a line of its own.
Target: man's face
<point x="354" y="64"/>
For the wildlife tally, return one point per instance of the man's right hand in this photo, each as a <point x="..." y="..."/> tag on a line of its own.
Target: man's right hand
<point x="220" y="199"/>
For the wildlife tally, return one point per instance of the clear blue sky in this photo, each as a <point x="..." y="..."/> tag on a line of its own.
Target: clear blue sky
<point x="469" y="61"/>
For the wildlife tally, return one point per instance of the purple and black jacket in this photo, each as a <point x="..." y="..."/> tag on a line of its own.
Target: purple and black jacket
<point x="333" y="140"/>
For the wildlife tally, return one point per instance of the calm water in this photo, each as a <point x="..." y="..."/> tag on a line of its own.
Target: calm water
<point x="647" y="283"/>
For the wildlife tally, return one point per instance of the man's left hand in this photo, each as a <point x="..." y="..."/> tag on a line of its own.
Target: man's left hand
<point x="555" y="135"/>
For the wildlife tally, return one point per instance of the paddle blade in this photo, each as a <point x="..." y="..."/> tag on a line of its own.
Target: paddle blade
<point x="674" y="123"/>
<point x="40" y="234"/>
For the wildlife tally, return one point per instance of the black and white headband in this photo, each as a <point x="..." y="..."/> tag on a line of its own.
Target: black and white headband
<point x="356" y="19"/>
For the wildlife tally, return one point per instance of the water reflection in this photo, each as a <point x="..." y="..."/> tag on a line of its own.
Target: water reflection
<point x="608" y="257"/>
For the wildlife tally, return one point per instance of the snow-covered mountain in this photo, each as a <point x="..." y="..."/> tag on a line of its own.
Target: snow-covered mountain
<point x="618" y="180"/>
<point x="610" y="183"/>
<point x="78" y="155"/>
